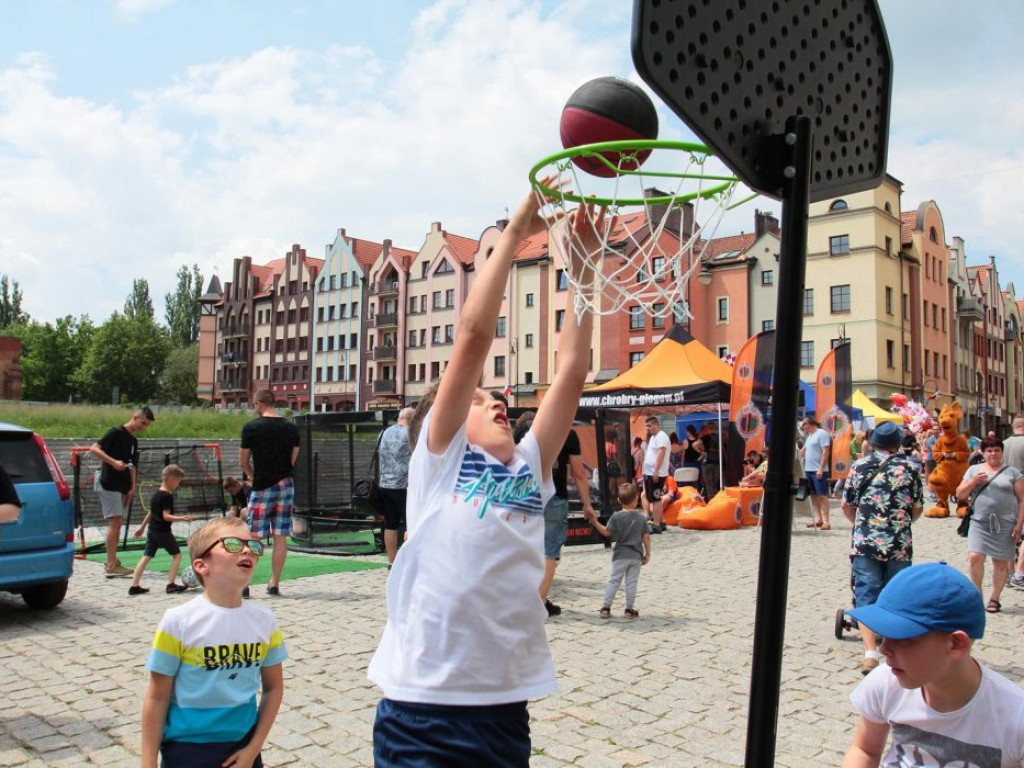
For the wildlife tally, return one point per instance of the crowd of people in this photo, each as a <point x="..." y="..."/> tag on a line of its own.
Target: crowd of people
<point x="476" y="515"/>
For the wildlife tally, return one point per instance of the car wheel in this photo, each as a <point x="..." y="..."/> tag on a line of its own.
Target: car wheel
<point x="45" y="595"/>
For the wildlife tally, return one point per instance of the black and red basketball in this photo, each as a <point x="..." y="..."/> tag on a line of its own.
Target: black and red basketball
<point x="608" y="109"/>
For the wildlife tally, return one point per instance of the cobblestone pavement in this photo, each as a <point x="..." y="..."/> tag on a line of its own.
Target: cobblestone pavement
<point x="669" y="689"/>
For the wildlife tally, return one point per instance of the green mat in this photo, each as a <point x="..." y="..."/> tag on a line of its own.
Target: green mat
<point x="298" y="565"/>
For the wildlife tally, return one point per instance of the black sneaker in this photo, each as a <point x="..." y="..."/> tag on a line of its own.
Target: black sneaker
<point x="274" y="591"/>
<point x="173" y="589"/>
<point x="133" y="590"/>
<point x="553" y="610"/>
<point x="664" y="527"/>
<point x="245" y="593"/>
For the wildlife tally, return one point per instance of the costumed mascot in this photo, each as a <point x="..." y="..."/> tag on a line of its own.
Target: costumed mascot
<point x="950" y="454"/>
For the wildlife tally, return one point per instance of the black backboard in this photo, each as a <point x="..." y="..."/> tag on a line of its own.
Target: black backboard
<point x="735" y="70"/>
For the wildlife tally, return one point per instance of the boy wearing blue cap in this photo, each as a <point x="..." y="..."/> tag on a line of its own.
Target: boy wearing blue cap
<point x="942" y="706"/>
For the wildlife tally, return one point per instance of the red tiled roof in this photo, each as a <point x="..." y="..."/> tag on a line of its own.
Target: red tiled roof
<point x="907" y="219"/>
<point x="462" y="247"/>
<point x="365" y="251"/>
<point x="720" y="245"/>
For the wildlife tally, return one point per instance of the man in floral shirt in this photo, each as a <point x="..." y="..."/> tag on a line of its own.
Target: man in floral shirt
<point x="882" y="497"/>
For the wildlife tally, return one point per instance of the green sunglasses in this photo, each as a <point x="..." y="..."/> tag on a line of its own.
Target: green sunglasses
<point x="233" y="545"/>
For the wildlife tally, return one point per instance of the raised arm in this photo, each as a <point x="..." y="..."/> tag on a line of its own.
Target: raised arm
<point x="477" y="323"/>
<point x="557" y="409"/>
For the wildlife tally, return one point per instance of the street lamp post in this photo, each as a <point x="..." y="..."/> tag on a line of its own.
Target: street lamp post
<point x="513" y="350"/>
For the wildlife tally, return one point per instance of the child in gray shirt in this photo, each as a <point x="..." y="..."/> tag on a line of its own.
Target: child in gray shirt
<point x="628" y="529"/>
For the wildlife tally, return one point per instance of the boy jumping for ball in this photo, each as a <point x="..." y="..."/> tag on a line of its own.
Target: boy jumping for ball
<point x="160" y="536"/>
<point x="464" y="646"/>
<point x="939" y="704"/>
<point x="210" y="658"/>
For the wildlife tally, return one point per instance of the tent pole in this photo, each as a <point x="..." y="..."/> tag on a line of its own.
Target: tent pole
<point x="721" y="459"/>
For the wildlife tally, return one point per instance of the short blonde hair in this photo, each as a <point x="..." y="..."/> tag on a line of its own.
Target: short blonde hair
<point x="204" y="537"/>
<point x="172" y="470"/>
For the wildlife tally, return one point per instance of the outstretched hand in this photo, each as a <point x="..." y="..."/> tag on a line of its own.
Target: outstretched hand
<point x="528" y="216"/>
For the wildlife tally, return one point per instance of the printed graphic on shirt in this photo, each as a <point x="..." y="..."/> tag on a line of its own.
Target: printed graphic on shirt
<point x="483" y="482"/>
<point x="914" y="747"/>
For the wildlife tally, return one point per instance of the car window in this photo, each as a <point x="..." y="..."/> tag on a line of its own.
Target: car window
<point x="20" y="456"/>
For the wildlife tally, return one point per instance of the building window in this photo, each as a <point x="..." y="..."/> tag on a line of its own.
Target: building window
<point x="808" y="301"/>
<point x="449" y="297"/>
<point x="658" y="316"/>
<point x="806" y="354"/>
<point x="678" y="311"/>
<point x="449" y="333"/>
<point x="529" y="340"/>
<point x="836" y="342"/>
<point x="411" y="372"/>
<point x="723" y="309"/>
<point x="906" y="358"/>
<point x="635" y="357"/>
<point x="888" y="246"/>
<point x="935" y="315"/>
<point x="933" y="235"/>
<point x="767" y="325"/>
<point x="838" y="205"/>
<point x="840" y="298"/>
<point x="444" y="268"/>
<point x="889" y="353"/>
<point x="658" y="267"/>
<point x="943" y="318"/>
<point x="412" y="340"/>
<point x="722" y="352"/>
<point x="529" y="299"/>
<point x="561" y="280"/>
<point x="435" y="334"/>
<point x="435" y="371"/>
<point x="636" y="318"/>
<point x="528" y="377"/>
<point x="559" y="319"/>
<point x="499" y="365"/>
<point x="888" y="300"/>
<point x="767" y="277"/>
<point x="839" y="244"/>
<point x="499" y="332"/>
<point x="904" y="306"/>
<point x="436" y="298"/>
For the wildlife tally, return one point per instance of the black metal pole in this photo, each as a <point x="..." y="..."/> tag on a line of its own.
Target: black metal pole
<point x="773" y="567"/>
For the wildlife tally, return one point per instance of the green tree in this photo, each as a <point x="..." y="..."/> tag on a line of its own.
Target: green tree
<point x="138" y="303"/>
<point x="50" y="354"/>
<point x="128" y="353"/>
<point x="181" y="375"/>
<point x="10" y="304"/>
<point x="182" y="307"/>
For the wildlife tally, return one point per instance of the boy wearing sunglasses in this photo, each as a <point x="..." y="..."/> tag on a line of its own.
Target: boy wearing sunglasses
<point x="210" y="657"/>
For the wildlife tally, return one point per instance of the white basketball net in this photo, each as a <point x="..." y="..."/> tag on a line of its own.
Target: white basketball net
<point x="647" y="260"/>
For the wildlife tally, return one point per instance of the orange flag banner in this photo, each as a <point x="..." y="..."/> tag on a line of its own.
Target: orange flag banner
<point x="751" y="390"/>
<point x="832" y="395"/>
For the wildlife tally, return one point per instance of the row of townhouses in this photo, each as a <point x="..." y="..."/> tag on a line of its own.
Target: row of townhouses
<point x="371" y="325"/>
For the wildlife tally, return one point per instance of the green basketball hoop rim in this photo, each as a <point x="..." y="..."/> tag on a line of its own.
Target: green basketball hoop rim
<point x="697" y="155"/>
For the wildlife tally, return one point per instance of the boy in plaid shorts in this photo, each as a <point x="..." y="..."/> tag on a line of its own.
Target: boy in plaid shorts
<point x="270" y="446"/>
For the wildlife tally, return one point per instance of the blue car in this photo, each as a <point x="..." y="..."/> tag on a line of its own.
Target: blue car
<point x="36" y="550"/>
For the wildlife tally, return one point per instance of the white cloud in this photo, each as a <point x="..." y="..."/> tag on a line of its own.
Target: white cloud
<point x="246" y="156"/>
<point x="130" y="10"/>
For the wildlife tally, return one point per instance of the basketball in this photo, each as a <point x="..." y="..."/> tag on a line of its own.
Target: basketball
<point x="608" y="109"/>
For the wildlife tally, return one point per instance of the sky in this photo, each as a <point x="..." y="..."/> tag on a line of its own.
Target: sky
<point x="137" y="136"/>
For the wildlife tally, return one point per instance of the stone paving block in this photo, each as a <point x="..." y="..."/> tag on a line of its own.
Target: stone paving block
<point x="14" y="757"/>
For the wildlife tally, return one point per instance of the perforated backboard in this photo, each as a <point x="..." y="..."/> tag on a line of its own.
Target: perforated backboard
<point x="735" y="70"/>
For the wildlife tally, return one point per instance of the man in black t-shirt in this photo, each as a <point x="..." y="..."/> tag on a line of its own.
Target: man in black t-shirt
<point x="556" y="511"/>
<point x="270" y="447"/>
<point x="115" y="482"/>
<point x="10" y="504"/>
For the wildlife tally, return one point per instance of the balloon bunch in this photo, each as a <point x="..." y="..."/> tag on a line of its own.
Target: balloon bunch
<point x="916" y="417"/>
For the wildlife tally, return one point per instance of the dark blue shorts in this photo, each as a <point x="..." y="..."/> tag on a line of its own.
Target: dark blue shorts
<point x="819" y="485"/>
<point x="188" y="754"/>
<point x="409" y="735"/>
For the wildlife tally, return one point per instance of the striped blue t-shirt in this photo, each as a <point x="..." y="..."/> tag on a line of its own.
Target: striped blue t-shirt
<point x="215" y="655"/>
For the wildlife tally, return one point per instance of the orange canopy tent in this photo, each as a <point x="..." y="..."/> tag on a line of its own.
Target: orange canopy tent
<point x="679" y="370"/>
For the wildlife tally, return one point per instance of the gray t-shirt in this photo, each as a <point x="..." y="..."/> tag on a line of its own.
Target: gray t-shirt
<point x="997" y="498"/>
<point x="627" y="528"/>
<point x="1013" y="452"/>
<point x="394" y="457"/>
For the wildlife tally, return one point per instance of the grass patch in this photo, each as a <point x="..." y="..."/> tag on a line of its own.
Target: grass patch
<point x="78" y="421"/>
<point x="298" y="565"/>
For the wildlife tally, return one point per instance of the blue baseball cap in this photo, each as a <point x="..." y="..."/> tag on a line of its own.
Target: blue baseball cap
<point x="934" y="597"/>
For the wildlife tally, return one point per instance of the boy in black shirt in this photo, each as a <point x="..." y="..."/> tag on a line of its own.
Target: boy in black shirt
<point x="161" y="515"/>
<point x="239" y="491"/>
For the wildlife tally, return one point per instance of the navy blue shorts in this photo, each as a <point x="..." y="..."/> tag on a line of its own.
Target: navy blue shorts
<point x="819" y="485"/>
<point x="188" y="754"/>
<point x="407" y="735"/>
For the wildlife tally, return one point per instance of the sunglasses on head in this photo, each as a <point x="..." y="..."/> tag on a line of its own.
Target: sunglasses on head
<point x="233" y="545"/>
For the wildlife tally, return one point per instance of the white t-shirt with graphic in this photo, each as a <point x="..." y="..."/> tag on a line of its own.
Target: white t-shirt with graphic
<point x="987" y="732"/>
<point x="657" y="441"/>
<point x="465" y="625"/>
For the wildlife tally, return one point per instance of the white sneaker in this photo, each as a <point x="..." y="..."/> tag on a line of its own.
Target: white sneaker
<point x="1016" y="580"/>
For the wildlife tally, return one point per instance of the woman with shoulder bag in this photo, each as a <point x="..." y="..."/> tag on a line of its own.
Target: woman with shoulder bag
<point x="996" y="495"/>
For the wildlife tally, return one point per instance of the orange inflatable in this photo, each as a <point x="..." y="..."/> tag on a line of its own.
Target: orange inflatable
<point x="731" y="508"/>
<point x="689" y="499"/>
<point x="950" y="454"/>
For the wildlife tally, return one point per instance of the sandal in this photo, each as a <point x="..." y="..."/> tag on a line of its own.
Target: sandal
<point x="606" y="613"/>
<point x="630" y="614"/>
<point x="993" y="606"/>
